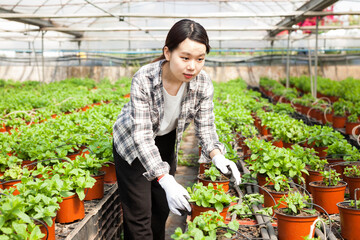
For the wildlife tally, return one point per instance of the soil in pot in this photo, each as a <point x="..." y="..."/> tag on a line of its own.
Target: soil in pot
<point x="224" y="181"/>
<point x="294" y="227"/>
<point x="349" y="221"/>
<point x="328" y="196"/>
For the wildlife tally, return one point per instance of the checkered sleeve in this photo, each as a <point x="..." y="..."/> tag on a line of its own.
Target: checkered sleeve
<point x="142" y="131"/>
<point x="204" y="123"/>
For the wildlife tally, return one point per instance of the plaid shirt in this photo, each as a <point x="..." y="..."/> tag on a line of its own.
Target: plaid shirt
<point x="136" y="127"/>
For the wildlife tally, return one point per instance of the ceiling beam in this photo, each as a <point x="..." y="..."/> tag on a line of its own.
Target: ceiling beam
<point x="42" y="23"/>
<point x="313" y="5"/>
<point x="300" y="14"/>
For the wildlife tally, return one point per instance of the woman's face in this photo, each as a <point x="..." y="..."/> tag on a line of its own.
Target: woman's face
<point x="186" y="61"/>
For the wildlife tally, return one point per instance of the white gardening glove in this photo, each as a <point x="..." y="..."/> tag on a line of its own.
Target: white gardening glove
<point x="221" y="163"/>
<point x="176" y="194"/>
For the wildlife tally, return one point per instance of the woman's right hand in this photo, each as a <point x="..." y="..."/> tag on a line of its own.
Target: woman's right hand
<point x="176" y="195"/>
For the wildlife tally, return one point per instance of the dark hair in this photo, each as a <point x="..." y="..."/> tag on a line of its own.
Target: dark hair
<point x="183" y="29"/>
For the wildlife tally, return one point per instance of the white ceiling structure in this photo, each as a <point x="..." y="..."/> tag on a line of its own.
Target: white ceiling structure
<point x="113" y="25"/>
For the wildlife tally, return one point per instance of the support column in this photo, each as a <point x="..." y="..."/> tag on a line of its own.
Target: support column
<point x="316" y="57"/>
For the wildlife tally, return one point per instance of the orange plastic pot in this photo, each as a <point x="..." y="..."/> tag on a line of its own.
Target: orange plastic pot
<point x="25" y="163"/>
<point x="110" y="173"/>
<point x="278" y="144"/>
<point x="197" y="210"/>
<point x="287" y="145"/>
<point x="338" y="168"/>
<point x="203" y="167"/>
<point x="268" y="201"/>
<point x="264" y="130"/>
<point x="328" y="196"/>
<point x="72" y="156"/>
<point x="224" y="183"/>
<point x="339" y="121"/>
<point x="261" y="178"/>
<point x="11" y="184"/>
<point x="293" y="227"/>
<point x="97" y="191"/>
<point x="321" y="152"/>
<point x="353" y="183"/>
<point x="349" y="128"/>
<point x="349" y="221"/>
<point x="312" y="177"/>
<point x="51" y="234"/>
<point x="71" y="209"/>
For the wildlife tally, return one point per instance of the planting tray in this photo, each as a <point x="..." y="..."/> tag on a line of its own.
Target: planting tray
<point x="103" y="219"/>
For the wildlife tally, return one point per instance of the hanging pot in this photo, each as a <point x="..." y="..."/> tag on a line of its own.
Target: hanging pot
<point x="71" y="209"/>
<point x="293" y="227"/>
<point x="349" y="221"/>
<point x="197" y="210"/>
<point x="97" y="191"/>
<point x="328" y="196"/>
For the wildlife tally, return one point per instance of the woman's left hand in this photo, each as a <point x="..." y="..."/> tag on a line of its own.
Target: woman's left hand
<point x="222" y="163"/>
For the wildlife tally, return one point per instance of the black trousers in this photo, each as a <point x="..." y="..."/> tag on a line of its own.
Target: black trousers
<point x="144" y="203"/>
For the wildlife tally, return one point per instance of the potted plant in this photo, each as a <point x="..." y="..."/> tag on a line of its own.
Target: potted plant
<point x="352" y="177"/>
<point x="328" y="192"/>
<point x="72" y="187"/>
<point x="12" y="176"/>
<point x="206" y="226"/>
<point x="280" y="188"/>
<point x="214" y="176"/>
<point x="321" y="137"/>
<point x="339" y="117"/>
<point x="295" y="220"/>
<point x="207" y="198"/>
<point x="14" y="222"/>
<point x="351" y="123"/>
<point x="349" y="219"/>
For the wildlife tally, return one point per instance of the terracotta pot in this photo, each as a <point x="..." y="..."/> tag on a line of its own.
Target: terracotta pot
<point x="321" y="152"/>
<point x="328" y="196"/>
<point x="293" y="227"/>
<point x="197" y="210"/>
<point x="338" y="168"/>
<point x="333" y="98"/>
<point x="264" y="130"/>
<point x="72" y="156"/>
<point x="312" y="177"/>
<point x="110" y="174"/>
<point x="26" y="162"/>
<point x="225" y="183"/>
<point x="11" y="184"/>
<point x="71" y="209"/>
<point x="268" y="201"/>
<point x="349" y="128"/>
<point x="51" y="235"/>
<point x="339" y="121"/>
<point x="353" y="183"/>
<point x="349" y="221"/>
<point x="287" y="145"/>
<point x="97" y="191"/>
<point x="203" y="167"/>
<point x="278" y="144"/>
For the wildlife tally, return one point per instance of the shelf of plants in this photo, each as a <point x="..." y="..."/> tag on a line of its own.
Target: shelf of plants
<point x="286" y="164"/>
<point x="292" y="161"/>
<point x="56" y="160"/>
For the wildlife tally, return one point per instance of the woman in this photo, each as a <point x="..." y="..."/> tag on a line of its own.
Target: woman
<point x="166" y="96"/>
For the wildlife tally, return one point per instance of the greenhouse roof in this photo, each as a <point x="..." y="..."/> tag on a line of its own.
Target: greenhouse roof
<point x="133" y="25"/>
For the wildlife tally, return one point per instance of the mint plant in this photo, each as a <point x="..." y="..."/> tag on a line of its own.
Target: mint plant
<point x="213" y="173"/>
<point x="352" y="171"/>
<point x="210" y="197"/>
<point x="296" y="203"/>
<point x="331" y="177"/>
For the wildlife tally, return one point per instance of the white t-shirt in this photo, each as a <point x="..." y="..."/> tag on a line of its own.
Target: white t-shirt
<point x="172" y="105"/>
